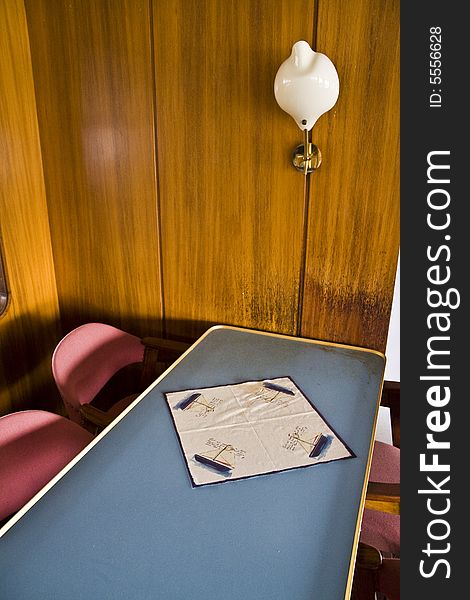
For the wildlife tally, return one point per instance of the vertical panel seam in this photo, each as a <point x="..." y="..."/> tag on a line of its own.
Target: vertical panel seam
<point x="315" y="24"/>
<point x="303" y="257"/>
<point x="306" y="211"/>
<point x="156" y="170"/>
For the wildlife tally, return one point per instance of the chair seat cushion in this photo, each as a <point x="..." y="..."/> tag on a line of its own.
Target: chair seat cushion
<point x="382" y="530"/>
<point x="34" y="446"/>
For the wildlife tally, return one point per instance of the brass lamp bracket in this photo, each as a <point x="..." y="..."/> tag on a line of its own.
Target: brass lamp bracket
<point x="313" y="158"/>
<point x="306" y="161"/>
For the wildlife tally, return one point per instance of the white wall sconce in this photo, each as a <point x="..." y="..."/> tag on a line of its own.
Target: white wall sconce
<point x="306" y="87"/>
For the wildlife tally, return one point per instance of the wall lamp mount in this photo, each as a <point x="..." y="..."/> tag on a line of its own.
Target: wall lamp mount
<point x="306" y="86"/>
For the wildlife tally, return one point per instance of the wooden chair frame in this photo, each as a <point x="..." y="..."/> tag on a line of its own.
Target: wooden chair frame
<point x="159" y="354"/>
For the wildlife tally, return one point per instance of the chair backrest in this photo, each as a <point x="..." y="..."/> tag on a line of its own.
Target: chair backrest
<point x="87" y="357"/>
<point x="388" y="578"/>
<point x="374" y="575"/>
<point x="34" y="446"/>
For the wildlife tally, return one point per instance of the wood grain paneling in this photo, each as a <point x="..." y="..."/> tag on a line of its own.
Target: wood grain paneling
<point x="222" y="201"/>
<point x="353" y="231"/>
<point x="231" y="203"/>
<point x="29" y="327"/>
<point x="93" y="74"/>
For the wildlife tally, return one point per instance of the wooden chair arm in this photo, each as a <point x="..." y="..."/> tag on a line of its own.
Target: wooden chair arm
<point x="159" y="354"/>
<point x="161" y="344"/>
<point x="96" y="416"/>
<point x="384" y="497"/>
<point x="368" y="557"/>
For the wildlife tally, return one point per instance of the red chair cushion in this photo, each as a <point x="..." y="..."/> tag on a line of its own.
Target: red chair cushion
<point x="382" y="530"/>
<point x="34" y="446"/>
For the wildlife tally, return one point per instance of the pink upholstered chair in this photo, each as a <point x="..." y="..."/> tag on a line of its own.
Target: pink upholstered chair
<point x="86" y="359"/>
<point x="378" y="562"/>
<point x="34" y="446"/>
<point x="381" y="530"/>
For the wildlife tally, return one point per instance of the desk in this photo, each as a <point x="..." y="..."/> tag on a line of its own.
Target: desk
<point x="123" y="521"/>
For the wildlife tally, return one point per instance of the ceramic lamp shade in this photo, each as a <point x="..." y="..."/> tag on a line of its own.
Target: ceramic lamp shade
<point x="306" y="85"/>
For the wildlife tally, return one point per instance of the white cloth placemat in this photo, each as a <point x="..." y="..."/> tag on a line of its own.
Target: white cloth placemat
<point x="251" y="428"/>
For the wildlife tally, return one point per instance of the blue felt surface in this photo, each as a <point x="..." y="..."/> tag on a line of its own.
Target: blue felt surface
<point x="125" y="522"/>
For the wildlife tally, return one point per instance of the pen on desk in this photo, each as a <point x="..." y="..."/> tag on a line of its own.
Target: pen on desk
<point x="186" y="402"/>
<point x="219" y="466"/>
<point x="278" y="388"/>
<point x="318" y="444"/>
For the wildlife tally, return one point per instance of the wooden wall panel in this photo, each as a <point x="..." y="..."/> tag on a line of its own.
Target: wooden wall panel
<point x="93" y="74"/>
<point x="353" y="231"/>
<point x="231" y="204"/>
<point x="29" y="327"/>
<point x="107" y="75"/>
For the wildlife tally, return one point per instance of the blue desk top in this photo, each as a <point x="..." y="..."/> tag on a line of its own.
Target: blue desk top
<point x="125" y="522"/>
